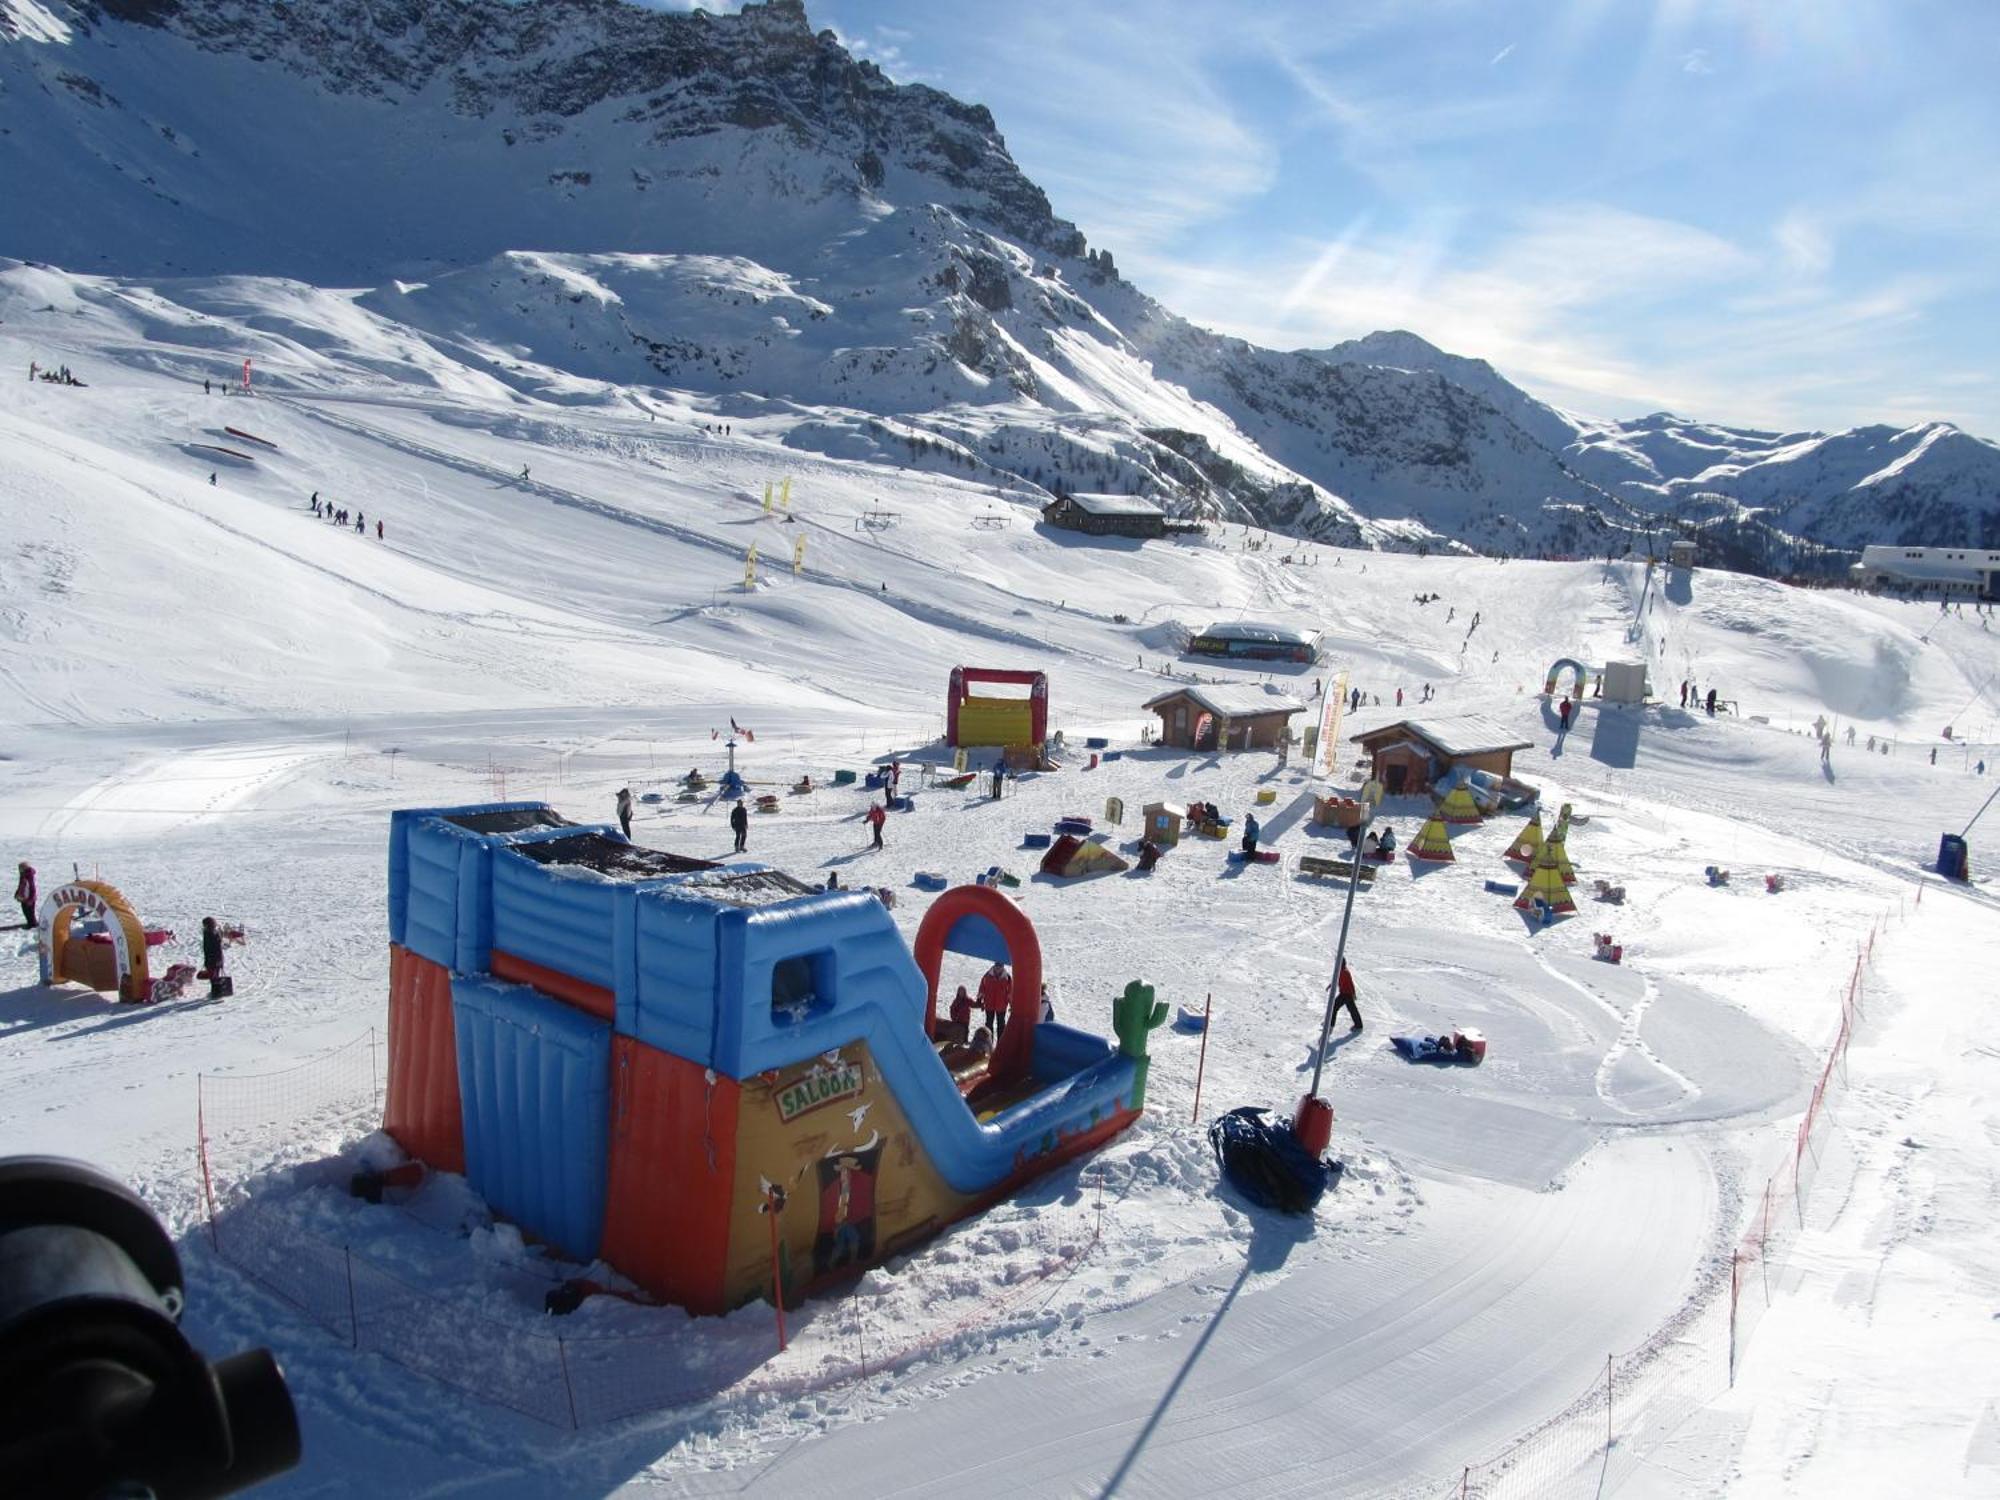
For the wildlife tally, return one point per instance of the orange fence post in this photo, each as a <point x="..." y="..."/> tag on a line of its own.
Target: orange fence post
<point x="1201" y="1064"/>
<point x="201" y="1150"/>
<point x="774" y="1203"/>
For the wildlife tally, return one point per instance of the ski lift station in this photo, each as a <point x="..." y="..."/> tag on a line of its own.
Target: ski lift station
<point x="1250" y="640"/>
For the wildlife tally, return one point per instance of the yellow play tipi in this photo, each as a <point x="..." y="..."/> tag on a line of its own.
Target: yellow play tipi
<point x="1432" y="841"/>
<point x="1555" y="847"/>
<point x="1545" y="883"/>
<point x="1458" y="806"/>
<point x="1528" y="843"/>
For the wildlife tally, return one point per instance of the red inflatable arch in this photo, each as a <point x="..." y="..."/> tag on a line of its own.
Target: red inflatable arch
<point x="979" y="921"/>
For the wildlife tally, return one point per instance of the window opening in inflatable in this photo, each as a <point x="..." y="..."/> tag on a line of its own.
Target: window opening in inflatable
<point x="801" y="987"/>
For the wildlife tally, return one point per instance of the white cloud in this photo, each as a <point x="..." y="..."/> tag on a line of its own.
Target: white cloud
<point x="1697" y="60"/>
<point x="1502" y="55"/>
<point x="1586" y="305"/>
<point x="1804" y="243"/>
<point x="1125" y="130"/>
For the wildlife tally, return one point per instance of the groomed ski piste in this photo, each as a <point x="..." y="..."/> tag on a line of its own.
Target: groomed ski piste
<point x="213" y="699"/>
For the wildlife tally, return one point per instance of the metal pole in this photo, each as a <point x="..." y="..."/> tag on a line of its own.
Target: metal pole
<point x="1340" y="951"/>
<point x="1982" y="806"/>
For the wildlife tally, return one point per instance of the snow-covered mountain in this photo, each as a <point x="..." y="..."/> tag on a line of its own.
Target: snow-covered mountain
<point x="580" y="199"/>
<point x="1929" y="484"/>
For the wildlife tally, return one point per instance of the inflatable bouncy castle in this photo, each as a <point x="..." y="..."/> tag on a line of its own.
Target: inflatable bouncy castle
<point x="710" y="1076"/>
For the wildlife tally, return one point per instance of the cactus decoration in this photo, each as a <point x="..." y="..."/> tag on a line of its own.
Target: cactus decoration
<point x="1133" y="1015"/>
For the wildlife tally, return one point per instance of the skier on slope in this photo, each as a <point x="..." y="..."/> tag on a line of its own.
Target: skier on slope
<point x="24" y="893"/>
<point x="1249" y="835"/>
<point x="624" y="806"/>
<point x="739" y="823"/>
<point x="875" y="818"/>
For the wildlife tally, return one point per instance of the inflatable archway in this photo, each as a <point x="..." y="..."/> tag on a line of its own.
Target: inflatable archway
<point x="1556" y="671"/>
<point x="65" y="957"/>
<point x="1010" y="723"/>
<point x="980" y="922"/>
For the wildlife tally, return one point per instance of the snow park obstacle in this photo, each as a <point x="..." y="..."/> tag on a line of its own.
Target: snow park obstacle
<point x="1527" y="842"/>
<point x="1073" y="858"/>
<point x="87" y="933"/>
<point x="623" y="1050"/>
<point x="214" y="452"/>
<point x="1432" y="843"/>
<point x="975" y="719"/>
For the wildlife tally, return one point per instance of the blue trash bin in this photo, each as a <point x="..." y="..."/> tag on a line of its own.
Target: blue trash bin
<point x="1952" y="859"/>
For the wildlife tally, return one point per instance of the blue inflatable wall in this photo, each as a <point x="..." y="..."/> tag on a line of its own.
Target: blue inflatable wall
<point x="534" y="1082"/>
<point x="563" y="920"/>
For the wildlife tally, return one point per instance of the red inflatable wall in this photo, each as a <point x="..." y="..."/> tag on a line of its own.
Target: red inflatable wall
<point x="422" y="1109"/>
<point x="589" y="998"/>
<point x="673" y="1168"/>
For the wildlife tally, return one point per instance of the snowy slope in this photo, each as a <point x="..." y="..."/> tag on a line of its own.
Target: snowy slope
<point x="213" y="699"/>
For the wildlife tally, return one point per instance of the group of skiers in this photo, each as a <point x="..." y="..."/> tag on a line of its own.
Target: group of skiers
<point x="338" y="514"/>
<point x="53" y="375"/>
<point x="1691" y="696"/>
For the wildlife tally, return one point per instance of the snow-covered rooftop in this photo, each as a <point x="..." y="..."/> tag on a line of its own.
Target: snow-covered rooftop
<point x="1116" y="505"/>
<point x="1230" y="700"/>
<point x="1461" y="734"/>
<point x="1262" y="631"/>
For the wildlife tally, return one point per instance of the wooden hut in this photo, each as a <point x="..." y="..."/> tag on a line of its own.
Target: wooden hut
<point x="1409" y="755"/>
<point x="1231" y="717"/>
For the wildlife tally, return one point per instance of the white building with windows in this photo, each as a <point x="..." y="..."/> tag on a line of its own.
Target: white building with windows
<point x="1943" y="572"/>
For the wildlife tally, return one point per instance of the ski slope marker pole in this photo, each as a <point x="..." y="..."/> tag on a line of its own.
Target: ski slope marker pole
<point x="1201" y="1065"/>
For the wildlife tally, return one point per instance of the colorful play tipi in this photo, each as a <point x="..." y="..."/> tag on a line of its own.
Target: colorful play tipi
<point x="1527" y="843"/>
<point x="1458" y="806"/>
<point x="1554" y="847"/>
<point x="1544" y="885"/>
<point x="1432" y="841"/>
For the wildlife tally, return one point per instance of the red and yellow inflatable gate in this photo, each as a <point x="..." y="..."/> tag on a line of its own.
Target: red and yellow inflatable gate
<point x="119" y="964"/>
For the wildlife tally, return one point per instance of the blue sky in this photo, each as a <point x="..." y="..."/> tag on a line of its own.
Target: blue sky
<point x="1768" y="212"/>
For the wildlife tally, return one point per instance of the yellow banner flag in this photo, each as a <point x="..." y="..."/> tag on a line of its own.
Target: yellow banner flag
<point x="750" y="567"/>
<point x="767" y="497"/>
<point x="798" y="554"/>
<point x="785" y="495"/>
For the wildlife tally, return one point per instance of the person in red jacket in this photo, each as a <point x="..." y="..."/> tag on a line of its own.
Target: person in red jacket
<point x="24" y="893"/>
<point x="961" y="1012"/>
<point x="876" y="818"/>
<point x="1344" y="995"/>
<point x="996" y="994"/>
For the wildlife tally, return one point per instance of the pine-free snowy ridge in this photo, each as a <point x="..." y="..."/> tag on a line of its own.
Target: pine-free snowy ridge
<point x="599" y="196"/>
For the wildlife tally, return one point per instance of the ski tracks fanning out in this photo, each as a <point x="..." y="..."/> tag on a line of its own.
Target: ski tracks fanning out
<point x="1628" y="1044"/>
